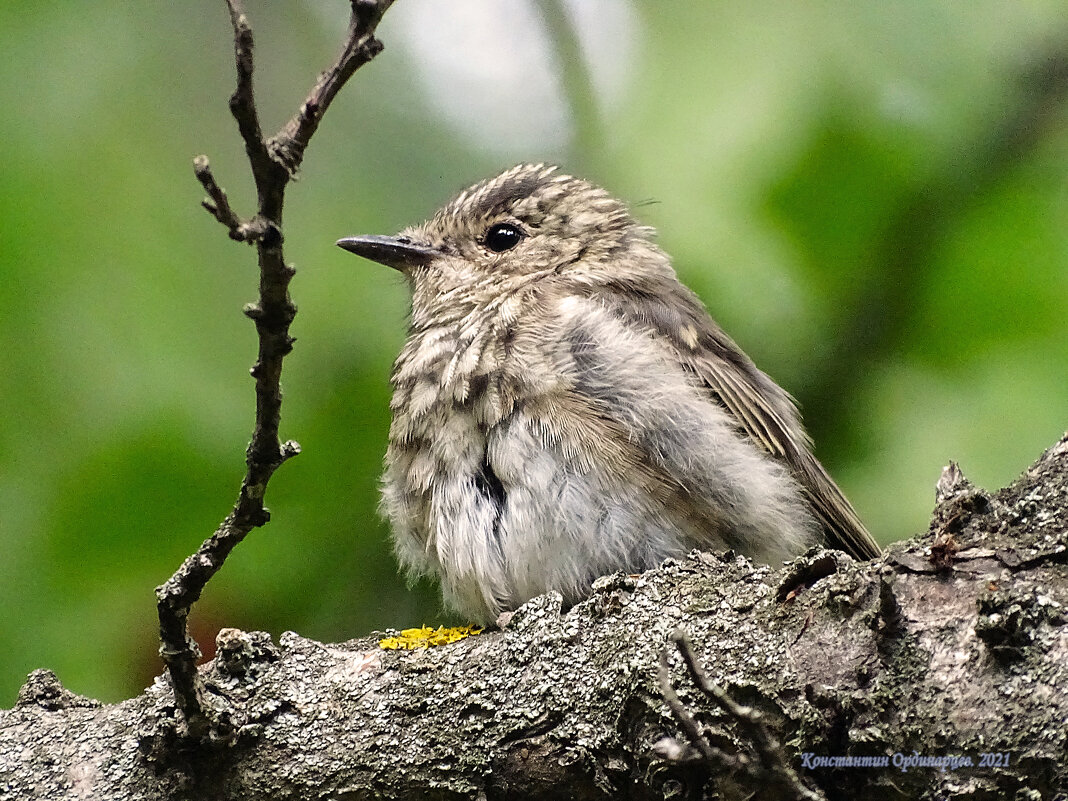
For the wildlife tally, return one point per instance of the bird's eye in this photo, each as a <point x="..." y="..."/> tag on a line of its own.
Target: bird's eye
<point x="502" y="237"/>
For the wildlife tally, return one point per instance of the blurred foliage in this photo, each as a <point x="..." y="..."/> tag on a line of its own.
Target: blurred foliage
<point x="870" y="197"/>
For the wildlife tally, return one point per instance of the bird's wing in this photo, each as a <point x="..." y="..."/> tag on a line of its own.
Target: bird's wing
<point x="668" y="456"/>
<point x="764" y="410"/>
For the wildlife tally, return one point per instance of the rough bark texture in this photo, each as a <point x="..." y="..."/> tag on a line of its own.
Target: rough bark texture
<point x="953" y="644"/>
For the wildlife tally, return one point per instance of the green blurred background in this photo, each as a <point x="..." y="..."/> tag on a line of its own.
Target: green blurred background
<point x="871" y="197"/>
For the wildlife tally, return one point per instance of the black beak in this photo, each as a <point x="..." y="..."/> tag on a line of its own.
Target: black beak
<point x="397" y="252"/>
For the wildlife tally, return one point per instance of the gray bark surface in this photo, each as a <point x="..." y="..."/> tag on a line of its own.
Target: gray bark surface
<point x="954" y="644"/>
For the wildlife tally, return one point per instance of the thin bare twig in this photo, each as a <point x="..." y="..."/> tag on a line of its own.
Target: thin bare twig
<point x="689" y="724"/>
<point x="218" y="205"/>
<point x="273" y="165"/>
<point x="360" y="47"/>
<point x="773" y="766"/>
<point x="243" y="101"/>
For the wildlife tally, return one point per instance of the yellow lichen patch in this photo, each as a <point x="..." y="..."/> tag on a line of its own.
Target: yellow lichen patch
<point x="426" y="637"/>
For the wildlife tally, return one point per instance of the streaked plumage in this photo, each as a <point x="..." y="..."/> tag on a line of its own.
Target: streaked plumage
<point x="565" y="408"/>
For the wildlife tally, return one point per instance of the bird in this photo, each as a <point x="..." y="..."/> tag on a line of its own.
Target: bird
<point x="564" y="408"/>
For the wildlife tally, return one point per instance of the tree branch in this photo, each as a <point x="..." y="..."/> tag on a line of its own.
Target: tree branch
<point x="273" y="165"/>
<point x="883" y="679"/>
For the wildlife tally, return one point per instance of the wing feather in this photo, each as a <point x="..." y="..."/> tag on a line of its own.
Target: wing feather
<point x="765" y="411"/>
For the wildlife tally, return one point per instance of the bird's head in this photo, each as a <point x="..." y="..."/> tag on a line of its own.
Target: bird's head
<point x="528" y="222"/>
